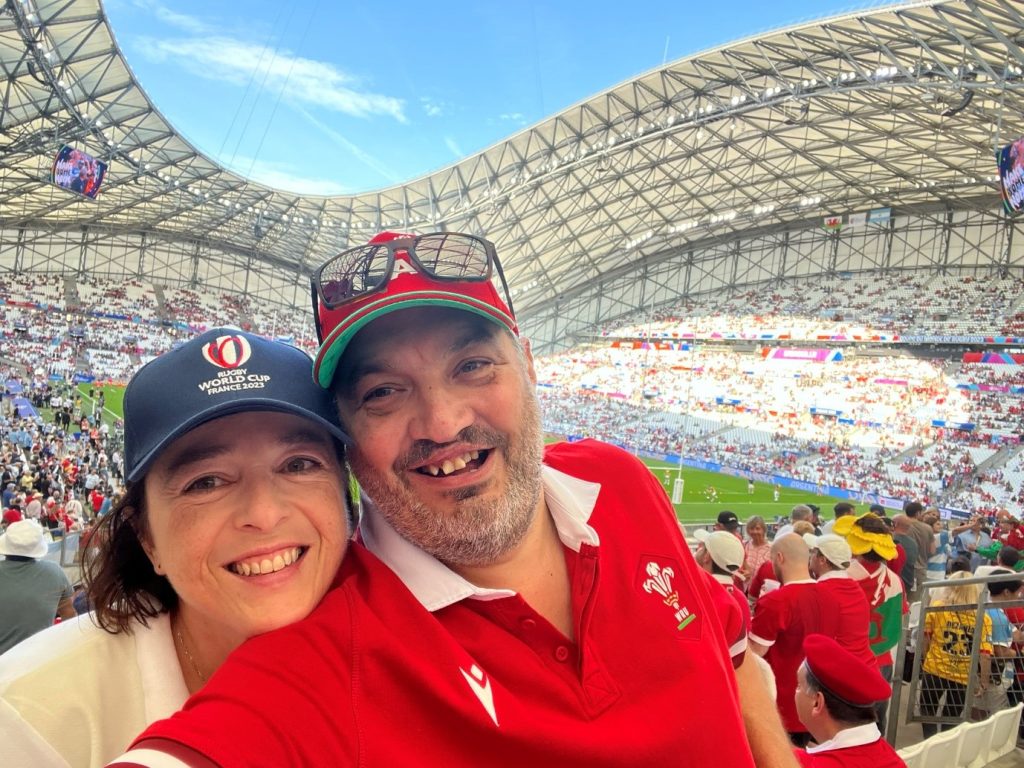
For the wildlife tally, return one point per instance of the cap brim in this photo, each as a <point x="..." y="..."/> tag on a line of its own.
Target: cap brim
<point x="228" y="409"/>
<point x="329" y="355"/>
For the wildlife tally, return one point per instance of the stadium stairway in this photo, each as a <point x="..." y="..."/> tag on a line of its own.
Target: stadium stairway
<point x="71" y="298"/>
<point x="709" y="436"/>
<point x="1016" y="307"/>
<point x="998" y="459"/>
<point x="910" y="453"/>
<point x="11" y="363"/>
<point x="995" y="461"/>
<point x="161" y="301"/>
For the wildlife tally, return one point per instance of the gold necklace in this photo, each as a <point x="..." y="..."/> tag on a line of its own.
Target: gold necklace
<point x="189" y="656"/>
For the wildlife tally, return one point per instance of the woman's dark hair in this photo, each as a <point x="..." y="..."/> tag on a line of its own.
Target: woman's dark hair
<point x="871" y="523"/>
<point x="122" y="586"/>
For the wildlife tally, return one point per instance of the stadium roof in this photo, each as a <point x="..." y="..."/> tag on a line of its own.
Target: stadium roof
<point x="898" y="107"/>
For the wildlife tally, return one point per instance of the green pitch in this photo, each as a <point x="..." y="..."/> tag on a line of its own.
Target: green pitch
<point x="697" y="507"/>
<point x="113" y="399"/>
<point x="732" y="495"/>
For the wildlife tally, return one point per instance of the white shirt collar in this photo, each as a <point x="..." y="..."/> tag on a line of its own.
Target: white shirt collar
<point x="163" y="683"/>
<point x="850" y="737"/>
<point x="721" y="578"/>
<point x="570" y="501"/>
<point x="833" y="575"/>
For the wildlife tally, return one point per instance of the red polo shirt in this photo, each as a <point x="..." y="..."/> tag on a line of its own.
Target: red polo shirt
<point x="373" y="678"/>
<point x="853" y="613"/>
<point x="783" y="617"/>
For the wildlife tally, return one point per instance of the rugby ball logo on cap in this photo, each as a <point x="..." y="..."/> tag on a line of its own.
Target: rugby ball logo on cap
<point x="228" y="351"/>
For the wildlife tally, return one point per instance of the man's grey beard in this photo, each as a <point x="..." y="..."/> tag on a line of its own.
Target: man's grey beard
<point x="478" y="532"/>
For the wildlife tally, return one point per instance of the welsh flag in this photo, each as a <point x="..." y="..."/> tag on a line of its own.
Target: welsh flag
<point x="884" y="592"/>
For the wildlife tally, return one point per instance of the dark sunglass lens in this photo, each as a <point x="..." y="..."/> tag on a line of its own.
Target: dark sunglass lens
<point x="453" y="255"/>
<point x="353" y="273"/>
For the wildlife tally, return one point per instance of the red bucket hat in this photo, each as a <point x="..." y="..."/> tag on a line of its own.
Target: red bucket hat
<point x="406" y="288"/>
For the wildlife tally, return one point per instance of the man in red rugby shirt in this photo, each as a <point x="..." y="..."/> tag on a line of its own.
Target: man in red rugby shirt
<point x="785" y="616"/>
<point x="830" y="557"/>
<point x="513" y="605"/>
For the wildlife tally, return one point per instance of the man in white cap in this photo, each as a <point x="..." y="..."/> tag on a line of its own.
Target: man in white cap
<point x="721" y="554"/>
<point x="802" y="606"/>
<point x="32" y="591"/>
<point x="830" y="557"/>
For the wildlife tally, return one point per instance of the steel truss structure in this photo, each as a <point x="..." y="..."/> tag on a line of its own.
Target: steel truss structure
<point x="711" y="172"/>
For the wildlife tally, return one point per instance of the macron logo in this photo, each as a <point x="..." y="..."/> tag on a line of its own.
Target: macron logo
<point x="481" y="688"/>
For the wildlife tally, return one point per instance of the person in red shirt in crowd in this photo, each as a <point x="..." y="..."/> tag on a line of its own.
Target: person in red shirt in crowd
<point x="1010" y="531"/>
<point x="835" y="696"/>
<point x="765" y="573"/>
<point x="764" y="577"/>
<point x="506" y="603"/>
<point x="785" y="616"/>
<point x="96" y="499"/>
<point x="872" y="546"/>
<point x="830" y="557"/>
<point x="720" y="553"/>
<point x="52" y="515"/>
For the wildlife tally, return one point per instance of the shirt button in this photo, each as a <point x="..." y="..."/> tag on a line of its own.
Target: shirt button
<point x="561" y="653"/>
<point x="528" y="624"/>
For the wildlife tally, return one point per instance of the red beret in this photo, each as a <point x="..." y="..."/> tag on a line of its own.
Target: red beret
<point x="845" y="676"/>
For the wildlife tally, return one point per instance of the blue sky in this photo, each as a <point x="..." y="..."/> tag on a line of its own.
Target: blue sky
<point x="324" y="97"/>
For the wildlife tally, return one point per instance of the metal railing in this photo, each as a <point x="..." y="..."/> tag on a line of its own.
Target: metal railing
<point x="963" y="648"/>
<point x="65" y="550"/>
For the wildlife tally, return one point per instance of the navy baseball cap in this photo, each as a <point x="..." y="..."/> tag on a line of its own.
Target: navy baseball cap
<point x="219" y="373"/>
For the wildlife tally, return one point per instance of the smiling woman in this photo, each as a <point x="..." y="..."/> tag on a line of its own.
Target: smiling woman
<point x="234" y="523"/>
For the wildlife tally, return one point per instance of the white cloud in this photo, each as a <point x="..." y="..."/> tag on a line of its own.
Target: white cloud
<point x="173" y="18"/>
<point x="306" y="81"/>
<point x="433" y="108"/>
<point x="284" y="176"/>
<point x="513" y="117"/>
<point x="361" y="155"/>
<point x="453" y="147"/>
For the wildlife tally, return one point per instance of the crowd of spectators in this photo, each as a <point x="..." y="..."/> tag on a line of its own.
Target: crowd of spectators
<point x="105" y="329"/>
<point x="850" y="306"/>
<point x="871" y="421"/>
<point x="62" y="471"/>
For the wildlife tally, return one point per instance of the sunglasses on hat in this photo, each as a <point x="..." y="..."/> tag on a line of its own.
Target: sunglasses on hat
<point x="365" y="270"/>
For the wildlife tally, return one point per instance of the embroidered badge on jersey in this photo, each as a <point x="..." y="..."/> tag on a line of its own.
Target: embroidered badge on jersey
<point x="661" y="579"/>
<point x="480" y="684"/>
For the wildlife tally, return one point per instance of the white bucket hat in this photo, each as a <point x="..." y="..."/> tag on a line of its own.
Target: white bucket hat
<point x="25" y="539"/>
